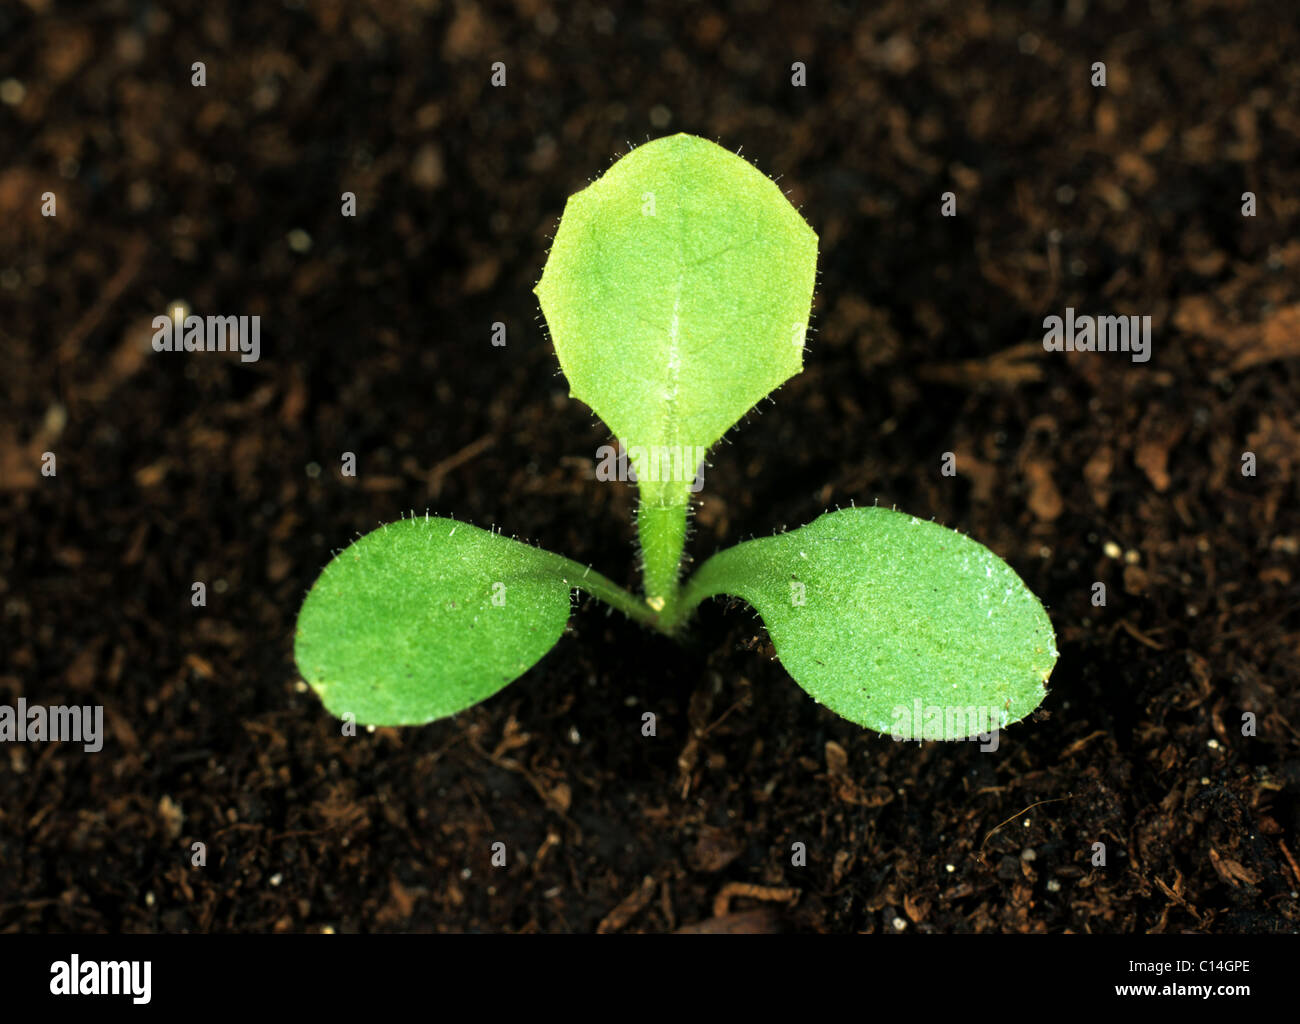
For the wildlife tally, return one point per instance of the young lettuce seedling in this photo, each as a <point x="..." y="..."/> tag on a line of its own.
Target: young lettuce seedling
<point x="677" y="294"/>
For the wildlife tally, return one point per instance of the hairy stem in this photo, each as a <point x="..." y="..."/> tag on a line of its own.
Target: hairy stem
<point x="603" y="588"/>
<point x="709" y="580"/>
<point x="661" y="527"/>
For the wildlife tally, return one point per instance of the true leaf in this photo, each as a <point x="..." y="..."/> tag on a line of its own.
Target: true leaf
<point x="425" y="617"/>
<point x="677" y="292"/>
<point x="895" y="623"/>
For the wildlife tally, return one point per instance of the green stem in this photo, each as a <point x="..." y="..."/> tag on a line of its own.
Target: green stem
<point x="661" y="527"/>
<point x="709" y="580"/>
<point x="588" y="580"/>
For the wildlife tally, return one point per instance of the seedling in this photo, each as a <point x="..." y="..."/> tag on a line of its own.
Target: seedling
<point x="677" y="293"/>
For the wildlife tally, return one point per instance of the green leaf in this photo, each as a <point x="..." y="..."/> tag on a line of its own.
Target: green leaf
<point x="426" y="617"/>
<point x="905" y="627"/>
<point x="677" y="292"/>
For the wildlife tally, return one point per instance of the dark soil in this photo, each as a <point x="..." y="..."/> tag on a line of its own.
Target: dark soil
<point x="1076" y="468"/>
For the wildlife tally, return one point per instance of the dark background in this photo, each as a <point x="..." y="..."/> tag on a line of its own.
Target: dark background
<point x="376" y="340"/>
